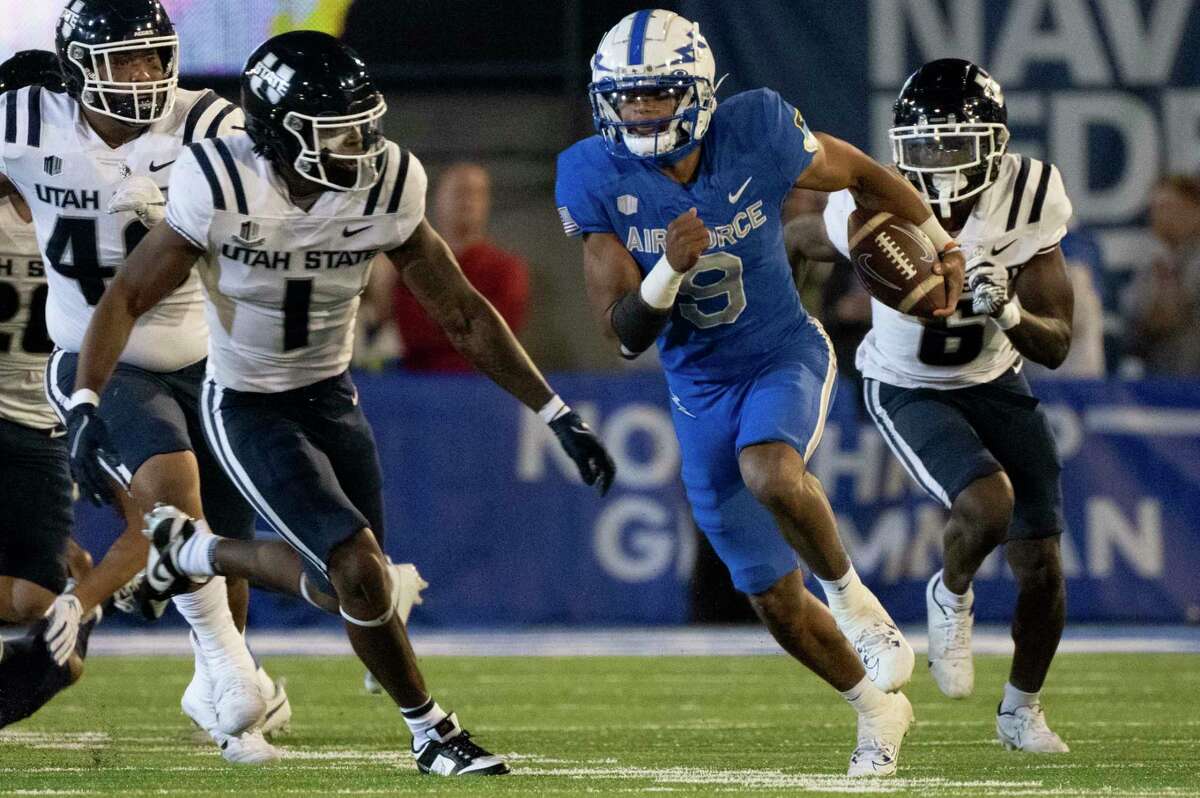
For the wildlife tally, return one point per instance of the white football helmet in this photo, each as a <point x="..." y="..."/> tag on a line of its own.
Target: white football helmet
<point x="653" y="52"/>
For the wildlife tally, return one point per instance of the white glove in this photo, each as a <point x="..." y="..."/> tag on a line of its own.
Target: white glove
<point x="988" y="284"/>
<point x="142" y="196"/>
<point x="64" y="615"/>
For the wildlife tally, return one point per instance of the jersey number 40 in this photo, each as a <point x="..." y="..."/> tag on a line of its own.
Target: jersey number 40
<point x="74" y="253"/>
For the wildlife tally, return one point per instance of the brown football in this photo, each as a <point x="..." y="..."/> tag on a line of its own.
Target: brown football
<point x="894" y="260"/>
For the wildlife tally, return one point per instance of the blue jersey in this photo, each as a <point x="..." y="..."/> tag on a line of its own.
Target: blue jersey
<point x="739" y="303"/>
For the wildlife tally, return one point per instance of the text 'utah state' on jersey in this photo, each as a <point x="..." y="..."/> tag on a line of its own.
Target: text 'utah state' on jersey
<point x="1022" y="214"/>
<point x="67" y="174"/>
<point x="24" y="344"/>
<point x="739" y="302"/>
<point x="283" y="284"/>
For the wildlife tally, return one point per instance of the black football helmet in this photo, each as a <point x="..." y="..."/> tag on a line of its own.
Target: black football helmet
<point x="92" y="32"/>
<point x="31" y="67"/>
<point x="311" y="106"/>
<point x="949" y="129"/>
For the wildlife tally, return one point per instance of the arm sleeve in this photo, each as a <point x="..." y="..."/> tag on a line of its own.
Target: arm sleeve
<point x="189" y="204"/>
<point x="412" y="202"/>
<point x="791" y="143"/>
<point x="578" y="209"/>
<point x="837" y="220"/>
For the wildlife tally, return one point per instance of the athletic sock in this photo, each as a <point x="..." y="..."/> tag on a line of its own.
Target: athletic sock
<point x="424" y="717"/>
<point x="196" y="555"/>
<point x="864" y="697"/>
<point x="1014" y="698"/>
<point x="846" y="593"/>
<point x="951" y="599"/>
<point x="207" y="611"/>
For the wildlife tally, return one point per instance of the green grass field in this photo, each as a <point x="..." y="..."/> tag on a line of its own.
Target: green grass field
<point x="692" y="726"/>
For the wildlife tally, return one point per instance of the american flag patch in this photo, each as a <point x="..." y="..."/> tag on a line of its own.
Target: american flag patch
<point x="570" y="227"/>
<point x="627" y="204"/>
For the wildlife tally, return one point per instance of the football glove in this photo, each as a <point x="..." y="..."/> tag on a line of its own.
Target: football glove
<point x="142" y="196"/>
<point x="63" y="629"/>
<point x="988" y="284"/>
<point x="94" y="458"/>
<point x="595" y="464"/>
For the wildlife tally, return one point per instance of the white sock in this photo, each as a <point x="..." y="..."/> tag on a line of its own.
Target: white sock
<point x="207" y="611"/>
<point x="864" y="697"/>
<point x="424" y="717"/>
<point x="195" y="556"/>
<point x="844" y="593"/>
<point x="1014" y="698"/>
<point x="951" y="599"/>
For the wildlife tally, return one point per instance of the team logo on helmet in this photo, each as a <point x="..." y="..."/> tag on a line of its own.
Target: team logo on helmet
<point x="70" y="18"/>
<point x="271" y="80"/>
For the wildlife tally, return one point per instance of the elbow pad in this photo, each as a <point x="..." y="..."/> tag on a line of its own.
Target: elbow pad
<point x="636" y="324"/>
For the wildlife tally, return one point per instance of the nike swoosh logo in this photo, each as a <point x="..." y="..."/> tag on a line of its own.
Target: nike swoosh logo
<point x="735" y="197"/>
<point x="347" y="232"/>
<point x="998" y="250"/>
<point x="158" y="167"/>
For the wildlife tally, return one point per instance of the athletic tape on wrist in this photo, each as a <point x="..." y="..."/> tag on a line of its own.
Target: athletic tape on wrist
<point x="1011" y="315"/>
<point x="942" y="241"/>
<point x="555" y="408"/>
<point x="661" y="285"/>
<point x="84" y="396"/>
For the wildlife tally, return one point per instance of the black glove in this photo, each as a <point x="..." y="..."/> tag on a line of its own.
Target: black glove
<point x="94" y="459"/>
<point x="595" y="464"/>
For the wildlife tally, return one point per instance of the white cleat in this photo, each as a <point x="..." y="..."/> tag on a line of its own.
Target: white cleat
<point x="237" y="698"/>
<point x="249" y="748"/>
<point x="279" y="710"/>
<point x="886" y="656"/>
<point x="1025" y="729"/>
<point x="950" y="659"/>
<point x="879" y="737"/>
<point x="407" y="585"/>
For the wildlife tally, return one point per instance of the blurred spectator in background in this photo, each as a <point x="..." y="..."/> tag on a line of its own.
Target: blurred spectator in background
<point x="462" y="205"/>
<point x="1085" y="270"/>
<point x="1163" y="303"/>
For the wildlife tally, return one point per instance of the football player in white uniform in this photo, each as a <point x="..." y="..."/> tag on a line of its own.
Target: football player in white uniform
<point x="949" y="396"/>
<point x="92" y="163"/>
<point x="36" y="551"/>
<point x="288" y="219"/>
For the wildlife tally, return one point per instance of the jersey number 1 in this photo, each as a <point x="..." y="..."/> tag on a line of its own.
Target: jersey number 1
<point x="74" y="252"/>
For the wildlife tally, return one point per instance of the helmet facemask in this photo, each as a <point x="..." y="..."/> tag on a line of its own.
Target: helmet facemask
<point x="132" y="102"/>
<point x="657" y="137"/>
<point x="344" y="153"/>
<point x="949" y="162"/>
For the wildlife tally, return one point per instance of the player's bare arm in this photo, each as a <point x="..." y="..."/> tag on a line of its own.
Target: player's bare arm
<point x="154" y="269"/>
<point x="474" y="327"/>
<point x="429" y="270"/>
<point x="838" y="165"/>
<point x="1047" y="305"/>
<point x="634" y="311"/>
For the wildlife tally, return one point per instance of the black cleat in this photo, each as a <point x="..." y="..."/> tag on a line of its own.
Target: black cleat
<point x="448" y="750"/>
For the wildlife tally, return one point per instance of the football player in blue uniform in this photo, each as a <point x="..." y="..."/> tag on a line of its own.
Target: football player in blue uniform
<point x="678" y="202"/>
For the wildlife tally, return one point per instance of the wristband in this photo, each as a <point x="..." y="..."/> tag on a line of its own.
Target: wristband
<point x="83" y="396"/>
<point x="942" y="241"/>
<point x="1011" y="315"/>
<point x="661" y="285"/>
<point x="555" y="408"/>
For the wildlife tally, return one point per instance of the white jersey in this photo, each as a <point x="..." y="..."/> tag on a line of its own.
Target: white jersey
<point x="67" y="174"/>
<point x="283" y="284"/>
<point x="24" y="345"/>
<point x="1022" y="214"/>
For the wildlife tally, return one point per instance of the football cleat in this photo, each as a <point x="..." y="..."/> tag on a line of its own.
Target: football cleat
<point x="1025" y="729"/>
<point x="248" y="748"/>
<point x="279" y="709"/>
<point x="222" y="699"/>
<point x="879" y="736"/>
<point x="950" y="659"/>
<point x="407" y="585"/>
<point x="886" y="656"/>
<point x="448" y="750"/>
<point x="168" y="529"/>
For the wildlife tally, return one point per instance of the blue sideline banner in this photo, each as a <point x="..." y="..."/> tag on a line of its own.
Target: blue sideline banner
<point x="479" y="495"/>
